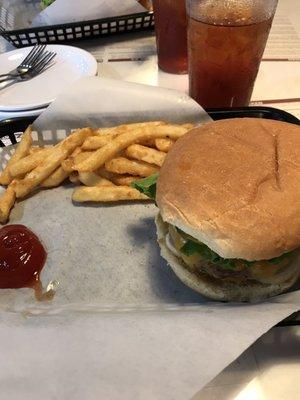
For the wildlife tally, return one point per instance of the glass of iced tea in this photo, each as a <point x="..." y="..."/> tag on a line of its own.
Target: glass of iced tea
<point x="226" y="41"/>
<point x="171" y="35"/>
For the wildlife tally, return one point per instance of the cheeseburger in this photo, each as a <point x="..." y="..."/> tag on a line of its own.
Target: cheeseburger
<point x="229" y="208"/>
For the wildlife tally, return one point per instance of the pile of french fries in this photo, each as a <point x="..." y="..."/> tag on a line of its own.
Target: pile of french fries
<point x="104" y="162"/>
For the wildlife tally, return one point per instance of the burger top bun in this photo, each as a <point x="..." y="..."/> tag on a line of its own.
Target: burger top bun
<point x="234" y="185"/>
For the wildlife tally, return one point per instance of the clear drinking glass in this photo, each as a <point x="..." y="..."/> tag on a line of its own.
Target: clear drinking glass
<point x="226" y="41"/>
<point x="171" y="35"/>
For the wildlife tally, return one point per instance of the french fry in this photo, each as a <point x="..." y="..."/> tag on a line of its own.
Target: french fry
<point x="148" y="143"/>
<point x="164" y="144"/>
<point x="105" y="135"/>
<point x="146" y="154"/>
<point x="30" y="162"/>
<point x="40" y="173"/>
<point x="7" y="201"/>
<point x="105" y="174"/>
<point x="121" y="165"/>
<point x="50" y="163"/>
<point x="107" y="194"/>
<point x="21" y="151"/>
<point x="75" y="140"/>
<point x="76" y="151"/>
<point x="124" y="180"/>
<point x="75" y="157"/>
<point x="56" y="178"/>
<point x="96" y="142"/>
<point x="121" y="142"/>
<point x="73" y="177"/>
<point x="93" y="179"/>
<point x="127" y="127"/>
<point x="35" y="149"/>
<point x="67" y="165"/>
<point x="188" y="126"/>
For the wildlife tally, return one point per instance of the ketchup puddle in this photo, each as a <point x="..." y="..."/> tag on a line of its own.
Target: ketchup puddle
<point x="22" y="258"/>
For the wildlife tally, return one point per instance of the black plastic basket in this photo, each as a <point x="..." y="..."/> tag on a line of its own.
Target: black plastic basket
<point x="54" y="34"/>
<point x="10" y="128"/>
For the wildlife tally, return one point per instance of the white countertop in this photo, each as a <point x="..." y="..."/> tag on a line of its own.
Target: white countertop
<point x="269" y="369"/>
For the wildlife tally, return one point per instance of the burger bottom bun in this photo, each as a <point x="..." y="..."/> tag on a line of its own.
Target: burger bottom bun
<point x="218" y="289"/>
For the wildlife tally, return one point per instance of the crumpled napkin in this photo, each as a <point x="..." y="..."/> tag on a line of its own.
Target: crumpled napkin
<point x="65" y="11"/>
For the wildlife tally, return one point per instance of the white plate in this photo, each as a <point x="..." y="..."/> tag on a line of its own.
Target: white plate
<point x="16" y="114"/>
<point x="71" y="63"/>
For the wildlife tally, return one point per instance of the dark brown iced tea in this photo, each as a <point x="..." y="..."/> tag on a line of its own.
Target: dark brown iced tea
<point x="171" y="35"/>
<point x="224" y="60"/>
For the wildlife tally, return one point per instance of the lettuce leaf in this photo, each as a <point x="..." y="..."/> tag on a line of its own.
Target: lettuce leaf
<point x="191" y="247"/>
<point x="147" y="186"/>
<point x="277" y="260"/>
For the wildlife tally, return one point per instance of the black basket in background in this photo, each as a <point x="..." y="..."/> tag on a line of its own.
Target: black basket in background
<point x="59" y="34"/>
<point x="11" y="130"/>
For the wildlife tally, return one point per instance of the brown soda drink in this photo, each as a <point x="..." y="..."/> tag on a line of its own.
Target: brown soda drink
<point x="225" y="54"/>
<point x="171" y="35"/>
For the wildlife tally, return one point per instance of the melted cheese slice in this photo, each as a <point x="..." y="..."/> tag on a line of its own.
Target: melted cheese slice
<point x="261" y="271"/>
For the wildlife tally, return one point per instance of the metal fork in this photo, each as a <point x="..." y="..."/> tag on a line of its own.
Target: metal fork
<point x="28" y="63"/>
<point x="41" y="65"/>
